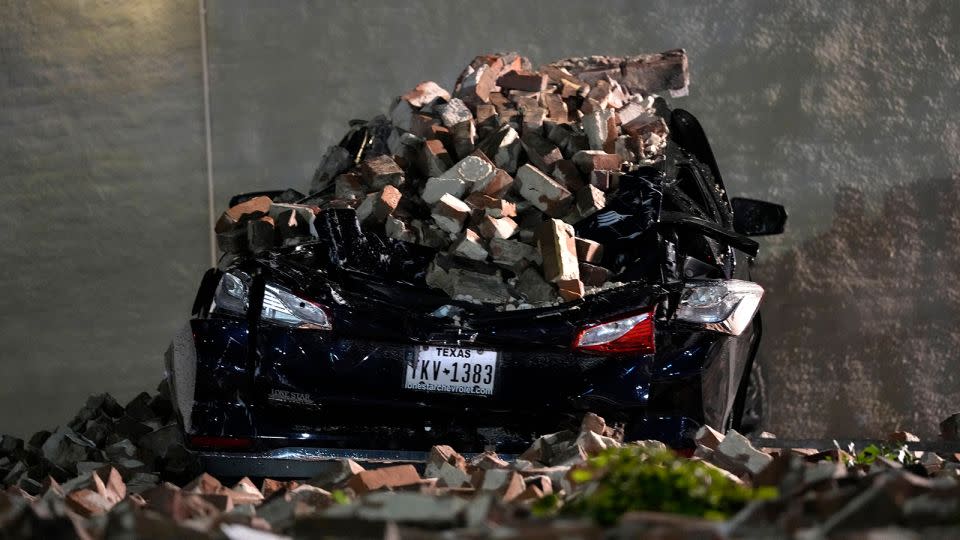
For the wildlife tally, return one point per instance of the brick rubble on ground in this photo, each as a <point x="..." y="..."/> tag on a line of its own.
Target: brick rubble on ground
<point x="122" y="472"/>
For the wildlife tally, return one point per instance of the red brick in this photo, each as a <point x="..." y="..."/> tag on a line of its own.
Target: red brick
<point x="386" y="477"/>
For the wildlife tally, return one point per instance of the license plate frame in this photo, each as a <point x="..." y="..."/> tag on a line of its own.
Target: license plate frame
<point x="433" y="368"/>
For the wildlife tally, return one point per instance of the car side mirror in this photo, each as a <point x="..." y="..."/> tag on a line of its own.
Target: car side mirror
<point x="757" y="218"/>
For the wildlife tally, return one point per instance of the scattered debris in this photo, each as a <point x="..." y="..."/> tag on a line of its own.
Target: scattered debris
<point x="87" y="479"/>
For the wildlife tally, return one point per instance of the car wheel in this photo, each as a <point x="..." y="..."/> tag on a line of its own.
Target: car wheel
<point x="754" y="401"/>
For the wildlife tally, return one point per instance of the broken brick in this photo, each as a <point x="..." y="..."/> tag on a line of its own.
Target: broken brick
<point x="454" y="112"/>
<point x="381" y="171"/>
<point x="435" y="158"/>
<point x="425" y="93"/>
<point x="496" y="186"/>
<point x="542" y="191"/>
<point x="588" y="250"/>
<point x="450" y="213"/>
<point x="541" y="152"/>
<point x="533" y="118"/>
<point x="437" y="187"/>
<point x="461" y="283"/>
<point x="556" y="108"/>
<point x="261" y="234"/>
<point x="487" y="119"/>
<point x="386" y="477"/>
<point x="476" y="86"/>
<point x="377" y="206"/>
<point x="441" y="454"/>
<point x="653" y="73"/>
<point x="521" y="80"/>
<point x="593" y="275"/>
<point x="590" y="160"/>
<point x="590" y="200"/>
<point x="250" y="209"/>
<point x="565" y="172"/>
<point x="349" y="186"/>
<point x="503" y="147"/>
<point x="570" y="289"/>
<point x="399" y="230"/>
<point x="644" y="125"/>
<point x="464" y="137"/>
<point x="473" y="169"/>
<point x="491" y="227"/>
<point x="469" y="246"/>
<point x="422" y="126"/>
<point x="601" y="130"/>
<point x="600" y="179"/>
<point x="708" y="437"/>
<point x="558" y="249"/>
<point x="513" y="255"/>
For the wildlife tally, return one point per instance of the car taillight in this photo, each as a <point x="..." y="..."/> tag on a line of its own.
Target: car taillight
<point x="220" y="443"/>
<point x="633" y="334"/>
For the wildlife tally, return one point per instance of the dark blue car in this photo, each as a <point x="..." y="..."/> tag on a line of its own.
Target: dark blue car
<point x="337" y="345"/>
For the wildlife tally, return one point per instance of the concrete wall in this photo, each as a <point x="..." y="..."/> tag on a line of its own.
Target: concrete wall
<point x="801" y="98"/>
<point x="103" y="229"/>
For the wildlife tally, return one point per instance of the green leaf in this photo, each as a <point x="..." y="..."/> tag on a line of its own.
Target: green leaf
<point x="339" y="497"/>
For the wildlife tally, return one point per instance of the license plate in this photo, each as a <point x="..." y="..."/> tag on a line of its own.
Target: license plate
<point x="454" y="370"/>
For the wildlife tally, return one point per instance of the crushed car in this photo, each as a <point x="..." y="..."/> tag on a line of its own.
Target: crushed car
<point x="481" y="267"/>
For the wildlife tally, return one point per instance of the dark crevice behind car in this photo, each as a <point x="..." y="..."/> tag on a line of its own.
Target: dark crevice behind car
<point x="339" y="343"/>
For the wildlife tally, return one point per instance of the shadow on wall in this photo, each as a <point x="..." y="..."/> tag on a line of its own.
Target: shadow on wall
<point x="861" y="321"/>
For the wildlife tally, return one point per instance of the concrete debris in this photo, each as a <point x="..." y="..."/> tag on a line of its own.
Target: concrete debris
<point x="532" y="287"/>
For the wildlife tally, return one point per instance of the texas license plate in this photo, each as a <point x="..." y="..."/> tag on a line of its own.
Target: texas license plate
<point x="454" y="370"/>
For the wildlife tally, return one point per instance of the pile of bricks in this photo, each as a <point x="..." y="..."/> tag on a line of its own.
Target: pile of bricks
<point x="493" y="175"/>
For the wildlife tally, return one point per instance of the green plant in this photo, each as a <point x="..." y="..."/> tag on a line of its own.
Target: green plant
<point x="871" y="452"/>
<point x="339" y="497"/>
<point x="634" y="478"/>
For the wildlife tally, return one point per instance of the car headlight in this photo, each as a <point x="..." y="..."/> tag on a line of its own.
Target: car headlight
<point x="279" y="305"/>
<point x="724" y="306"/>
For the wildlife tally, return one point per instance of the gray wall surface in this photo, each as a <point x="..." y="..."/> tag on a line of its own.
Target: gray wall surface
<point x="846" y="112"/>
<point x="104" y="199"/>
